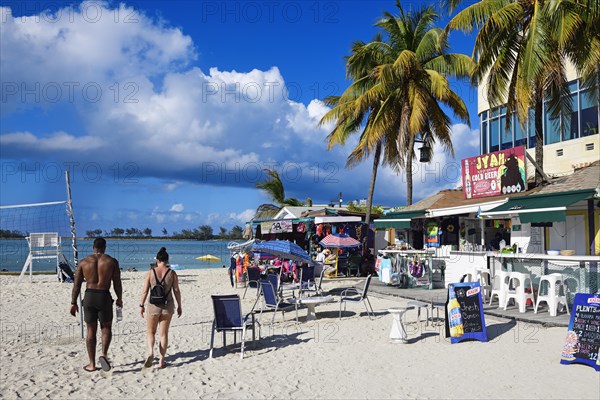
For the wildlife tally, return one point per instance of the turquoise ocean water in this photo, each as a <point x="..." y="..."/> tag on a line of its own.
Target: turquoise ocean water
<point x="130" y="253"/>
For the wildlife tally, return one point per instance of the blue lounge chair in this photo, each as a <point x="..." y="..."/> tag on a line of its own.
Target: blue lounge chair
<point x="307" y="279"/>
<point x="253" y="278"/>
<point x="228" y="317"/>
<point x="356" y="297"/>
<point x="271" y="299"/>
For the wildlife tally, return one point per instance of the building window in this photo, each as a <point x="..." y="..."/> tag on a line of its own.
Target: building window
<point x="589" y="115"/>
<point x="520" y="133"/>
<point x="494" y="134"/>
<point x="572" y="123"/>
<point x="484" y="133"/>
<point x="551" y="127"/>
<point x="507" y="140"/>
<point x="531" y="124"/>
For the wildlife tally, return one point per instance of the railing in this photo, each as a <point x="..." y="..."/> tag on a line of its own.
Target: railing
<point x="581" y="273"/>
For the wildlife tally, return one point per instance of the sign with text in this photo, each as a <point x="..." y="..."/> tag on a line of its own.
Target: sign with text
<point x="464" y="313"/>
<point x="494" y="174"/>
<point x="276" y="226"/>
<point x="583" y="337"/>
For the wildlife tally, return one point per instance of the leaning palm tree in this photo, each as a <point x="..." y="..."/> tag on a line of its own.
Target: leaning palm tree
<point x="273" y="186"/>
<point x="411" y="85"/>
<point x="522" y="48"/>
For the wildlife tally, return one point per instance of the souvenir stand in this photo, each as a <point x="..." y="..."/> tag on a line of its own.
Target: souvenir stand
<point x="406" y="268"/>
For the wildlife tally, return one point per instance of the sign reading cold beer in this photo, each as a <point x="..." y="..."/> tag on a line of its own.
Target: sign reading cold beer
<point x="494" y="174"/>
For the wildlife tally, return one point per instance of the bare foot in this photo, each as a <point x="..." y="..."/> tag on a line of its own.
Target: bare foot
<point x="149" y="360"/>
<point x="90" y="368"/>
<point x="162" y="363"/>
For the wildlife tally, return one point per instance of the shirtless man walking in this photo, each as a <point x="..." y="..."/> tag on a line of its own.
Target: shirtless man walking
<point x="98" y="270"/>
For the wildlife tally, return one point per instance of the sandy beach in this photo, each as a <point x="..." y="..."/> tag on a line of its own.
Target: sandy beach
<point x="42" y="354"/>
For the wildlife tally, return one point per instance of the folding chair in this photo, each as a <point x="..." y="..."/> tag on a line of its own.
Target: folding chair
<point x="228" y="318"/>
<point x="253" y="278"/>
<point x="357" y="297"/>
<point x="272" y="300"/>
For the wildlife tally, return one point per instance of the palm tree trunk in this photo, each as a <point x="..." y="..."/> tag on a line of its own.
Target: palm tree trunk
<point x="539" y="135"/>
<point x="408" y="158"/>
<point x="376" y="158"/>
<point x="409" y="171"/>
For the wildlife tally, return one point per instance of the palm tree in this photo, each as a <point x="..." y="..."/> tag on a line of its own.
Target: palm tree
<point x="273" y="186"/>
<point x="522" y="48"/>
<point x="403" y="91"/>
<point x="349" y="118"/>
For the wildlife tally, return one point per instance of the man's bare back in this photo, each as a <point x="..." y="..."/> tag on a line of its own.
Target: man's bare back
<point x="99" y="270"/>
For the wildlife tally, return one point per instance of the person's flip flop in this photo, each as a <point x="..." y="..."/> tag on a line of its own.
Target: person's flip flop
<point x="85" y="368"/>
<point x="148" y="362"/>
<point x="104" y="363"/>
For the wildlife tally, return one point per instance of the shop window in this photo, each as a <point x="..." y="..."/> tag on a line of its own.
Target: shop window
<point x="589" y="115"/>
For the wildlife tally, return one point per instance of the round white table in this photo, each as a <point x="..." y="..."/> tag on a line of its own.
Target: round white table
<point x="398" y="332"/>
<point x="311" y="303"/>
<point x="419" y="305"/>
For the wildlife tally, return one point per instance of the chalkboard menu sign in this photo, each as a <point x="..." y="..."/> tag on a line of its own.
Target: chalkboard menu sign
<point x="583" y="338"/>
<point x="464" y="310"/>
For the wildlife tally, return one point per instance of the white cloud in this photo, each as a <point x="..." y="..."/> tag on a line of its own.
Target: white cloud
<point x="169" y="187"/>
<point x="155" y="105"/>
<point x="57" y="141"/>
<point x="177" y="207"/>
<point x="243" y="216"/>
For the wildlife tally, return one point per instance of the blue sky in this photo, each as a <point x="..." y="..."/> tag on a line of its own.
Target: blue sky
<point x="165" y="112"/>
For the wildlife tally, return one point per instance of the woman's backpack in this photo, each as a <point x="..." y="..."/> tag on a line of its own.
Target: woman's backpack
<point x="158" y="294"/>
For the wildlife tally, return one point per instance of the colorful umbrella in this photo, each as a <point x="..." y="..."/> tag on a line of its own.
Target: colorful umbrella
<point x="209" y="258"/>
<point x="284" y="249"/>
<point x="339" y="241"/>
<point x="264" y="256"/>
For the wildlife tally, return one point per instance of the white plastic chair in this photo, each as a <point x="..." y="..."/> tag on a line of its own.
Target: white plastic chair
<point x="557" y="292"/>
<point x="484" y="279"/>
<point x="518" y="294"/>
<point x="500" y="287"/>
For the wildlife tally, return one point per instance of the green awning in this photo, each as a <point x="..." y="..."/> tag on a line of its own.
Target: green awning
<point x="397" y="220"/>
<point x="539" y="208"/>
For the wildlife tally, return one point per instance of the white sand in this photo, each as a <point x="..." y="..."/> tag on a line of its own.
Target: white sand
<point x="42" y="355"/>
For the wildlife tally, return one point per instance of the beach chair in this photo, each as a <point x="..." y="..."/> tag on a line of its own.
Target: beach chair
<point x="288" y="287"/>
<point x="356" y="297"/>
<point x="316" y="287"/>
<point x="228" y="318"/>
<point x="271" y="299"/>
<point x="253" y="278"/>
<point x="353" y="264"/>
<point x="307" y="279"/>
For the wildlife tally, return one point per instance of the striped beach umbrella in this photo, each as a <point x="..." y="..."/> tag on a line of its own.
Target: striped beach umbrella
<point x="339" y="241"/>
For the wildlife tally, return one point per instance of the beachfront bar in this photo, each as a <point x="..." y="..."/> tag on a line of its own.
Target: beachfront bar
<point x="547" y="229"/>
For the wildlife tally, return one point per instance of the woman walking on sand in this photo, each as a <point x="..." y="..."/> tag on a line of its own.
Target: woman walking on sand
<point x="161" y="312"/>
